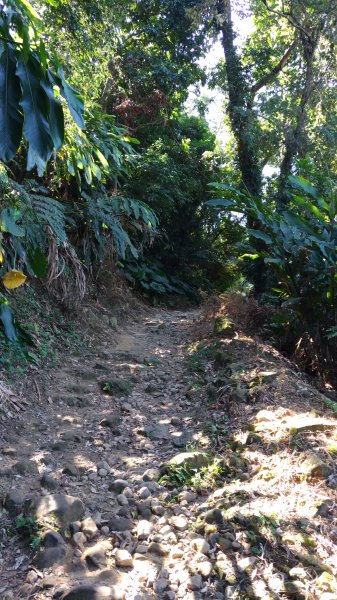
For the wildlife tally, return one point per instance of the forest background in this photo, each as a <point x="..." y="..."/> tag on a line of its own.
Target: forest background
<point x="105" y="168"/>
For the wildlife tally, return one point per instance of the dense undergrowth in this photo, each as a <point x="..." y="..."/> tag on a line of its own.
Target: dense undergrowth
<point x="104" y="166"/>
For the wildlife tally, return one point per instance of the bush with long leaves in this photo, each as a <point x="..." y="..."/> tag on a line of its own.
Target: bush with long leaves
<point x="300" y="246"/>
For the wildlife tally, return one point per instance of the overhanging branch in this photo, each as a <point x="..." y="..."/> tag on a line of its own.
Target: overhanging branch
<point x="269" y="77"/>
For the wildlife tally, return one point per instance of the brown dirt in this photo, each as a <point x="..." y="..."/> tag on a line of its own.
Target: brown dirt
<point x="243" y="405"/>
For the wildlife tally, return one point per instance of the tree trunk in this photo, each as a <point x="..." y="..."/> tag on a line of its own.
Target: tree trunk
<point x="294" y="141"/>
<point x="240" y="113"/>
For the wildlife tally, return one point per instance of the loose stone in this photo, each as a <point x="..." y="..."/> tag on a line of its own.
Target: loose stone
<point x="160" y="586"/>
<point x="179" y="523"/>
<point x="144" y="529"/>
<point x="123" y="558"/>
<point x="89" y="528"/>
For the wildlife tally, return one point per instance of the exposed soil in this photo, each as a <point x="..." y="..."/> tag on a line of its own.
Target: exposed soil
<point x="252" y="516"/>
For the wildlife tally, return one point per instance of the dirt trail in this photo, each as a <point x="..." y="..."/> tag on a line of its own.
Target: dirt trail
<point x="86" y="461"/>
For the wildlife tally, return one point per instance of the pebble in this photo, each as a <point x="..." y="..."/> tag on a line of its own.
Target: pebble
<point x="105" y="530"/>
<point x="144" y="529"/>
<point x="195" y="582"/>
<point x="144" y="493"/>
<point x="160" y="586"/>
<point x="179" y="523"/>
<point x="89" y="528"/>
<point x="122" y="500"/>
<point x="123" y="558"/>
<point x="118" y="485"/>
<point x="201" y="545"/>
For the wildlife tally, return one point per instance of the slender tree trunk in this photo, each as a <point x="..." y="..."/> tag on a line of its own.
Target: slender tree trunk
<point x="239" y="111"/>
<point x="295" y="137"/>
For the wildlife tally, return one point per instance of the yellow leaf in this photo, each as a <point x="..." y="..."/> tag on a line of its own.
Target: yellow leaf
<point x="1" y="257"/>
<point x="13" y="279"/>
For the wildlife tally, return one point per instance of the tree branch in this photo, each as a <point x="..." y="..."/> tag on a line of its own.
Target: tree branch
<point x="289" y="17"/>
<point x="269" y="77"/>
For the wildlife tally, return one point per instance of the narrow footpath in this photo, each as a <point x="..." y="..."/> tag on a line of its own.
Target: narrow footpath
<point x="118" y="483"/>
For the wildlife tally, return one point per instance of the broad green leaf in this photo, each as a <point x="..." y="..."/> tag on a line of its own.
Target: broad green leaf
<point x="73" y="98"/>
<point x="303" y="184"/>
<point x="8" y="220"/>
<point x="55" y="115"/>
<point x="260" y="235"/>
<point x="38" y="262"/>
<point x="230" y="188"/>
<point x="7" y="321"/>
<point x="251" y="256"/>
<point x="35" y="106"/>
<point x="101" y="158"/>
<point x="11" y="119"/>
<point x="30" y="9"/>
<point x="220" y="203"/>
<point x="310" y="206"/>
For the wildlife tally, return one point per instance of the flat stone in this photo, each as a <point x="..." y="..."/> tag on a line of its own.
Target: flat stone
<point x="200" y="545"/>
<point x="118" y="486"/>
<point x="205" y="568"/>
<point x="195" y="582"/>
<point x="117" y="523"/>
<point x="314" y="467"/>
<point x="49" y="557"/>
<point x="157" y="432"/>
<point x="144" y="493"/>
<point x="60" y="508"/>
<point x="9" y="451"/>
<point x="70" y="470"/>
<point x="26" y="467"/>
<point x="79" y="539"/>
<point x="47" y="481"/>
<point x="151" y="475"/>
<point x="180" y="440"/>
<point x="159" y="549"/>
<point x="123" y="558"/>
<point x="303" y="424"/>
<point x="93" y="592"/>
<point x="160" y="585"/>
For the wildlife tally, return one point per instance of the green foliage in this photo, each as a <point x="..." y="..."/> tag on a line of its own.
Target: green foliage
<point x="150" y="279"/>
<point x="299" y="245"/>
<point x="29" y="529"/>
<point x="204" y="478"/>
<point x="29" y="104"/>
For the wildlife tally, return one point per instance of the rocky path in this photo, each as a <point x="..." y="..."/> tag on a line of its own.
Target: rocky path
<point x="170" y="464"/>
<point x="89" y="456"/>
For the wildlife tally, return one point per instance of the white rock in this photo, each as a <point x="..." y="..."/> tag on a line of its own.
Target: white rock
<point x="200" y="545"/>
<point x="123" y="558"/>
<point x="89" y="528"/>
<point x="144" y="529"/>
<point x="179" y="522"/>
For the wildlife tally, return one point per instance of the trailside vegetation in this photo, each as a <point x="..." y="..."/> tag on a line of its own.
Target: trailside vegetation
<point x="101" y="160"/>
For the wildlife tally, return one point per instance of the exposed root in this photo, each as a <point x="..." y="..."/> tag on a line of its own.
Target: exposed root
<point x="65" y="277"/>
<point x="9" y="401"/>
